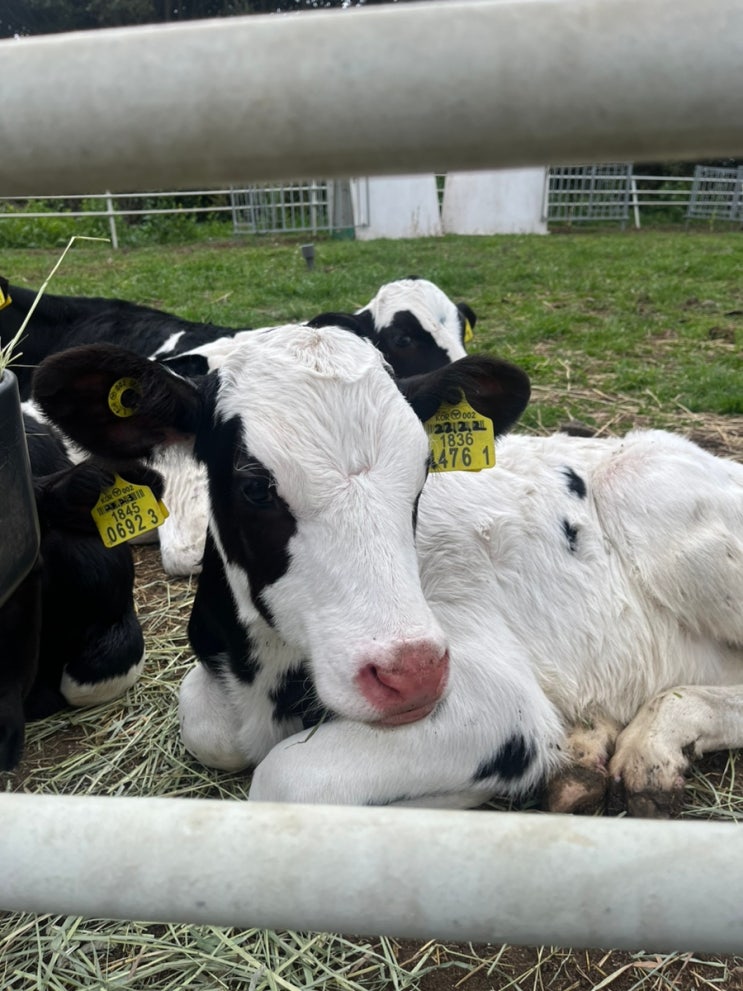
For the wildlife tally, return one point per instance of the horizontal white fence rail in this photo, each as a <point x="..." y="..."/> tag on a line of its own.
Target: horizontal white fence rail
<point x="486" y="84"/>
<point x="493" y="877"/>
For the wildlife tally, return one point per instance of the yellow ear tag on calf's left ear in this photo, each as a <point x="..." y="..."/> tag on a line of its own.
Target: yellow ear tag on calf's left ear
<point x="461" y="439"/>
<point x="5" y="300"/>
<point x="469" y="334"/>
<point x="125" y="510"/>
<point x="122" y="397"/>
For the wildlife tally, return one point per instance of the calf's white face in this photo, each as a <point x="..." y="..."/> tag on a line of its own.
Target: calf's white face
<point x="315" y="464"/>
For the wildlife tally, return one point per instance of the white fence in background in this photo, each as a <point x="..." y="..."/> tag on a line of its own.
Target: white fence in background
<point x="572" y="194"/>
<point x="310" y="205"/>
<point x="716" y="194"/>
<point x="576" y="193"/>
<point x="608" y="192"/>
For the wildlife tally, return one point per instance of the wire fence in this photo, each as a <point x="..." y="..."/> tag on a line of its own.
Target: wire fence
<point x="608" y="193"/>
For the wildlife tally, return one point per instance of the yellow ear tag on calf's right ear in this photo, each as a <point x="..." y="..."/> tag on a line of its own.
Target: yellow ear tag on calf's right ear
<point x="469" y="334"/>
<point x="5" y="300"/>
<point x="461" y="439"/>
<point x="122" y="397"/>
<point x="125" y="510"/>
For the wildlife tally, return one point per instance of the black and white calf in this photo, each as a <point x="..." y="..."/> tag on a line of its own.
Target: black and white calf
<point x="441" y="634"/>
<point x="60" y="322"/>
<point x="69" y="635"/>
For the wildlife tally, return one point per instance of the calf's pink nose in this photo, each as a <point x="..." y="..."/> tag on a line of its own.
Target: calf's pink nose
<point x="408" y="686"/>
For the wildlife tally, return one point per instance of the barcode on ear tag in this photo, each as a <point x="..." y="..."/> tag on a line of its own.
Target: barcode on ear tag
<point x="125" y="510"/>
<point x="460" y="438"/>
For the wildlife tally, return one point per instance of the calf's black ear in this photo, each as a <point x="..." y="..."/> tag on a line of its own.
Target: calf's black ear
<point x="115" y="403"/>
<point x="360" y="324"/>
<point x="188" y="366"/>
<point x="468" y="313"/>
<point x="64" y="500"/>
<point x="496" y="389"/>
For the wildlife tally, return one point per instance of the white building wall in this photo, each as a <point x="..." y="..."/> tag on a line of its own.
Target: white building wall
<point x="508" y="201"/>
<point x="398" y="206"/>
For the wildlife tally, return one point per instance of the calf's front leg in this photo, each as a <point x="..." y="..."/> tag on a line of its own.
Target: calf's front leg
<point x="654" y="752"/>
<point x="436" y="763"/>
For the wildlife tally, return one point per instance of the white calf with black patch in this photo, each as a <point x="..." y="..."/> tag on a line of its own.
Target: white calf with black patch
<point x="364" y="638"/>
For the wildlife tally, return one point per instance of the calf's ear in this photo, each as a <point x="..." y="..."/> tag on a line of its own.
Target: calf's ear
<point x="115" y="403"/>
<point x="496" y="389"/>
<point x="360" y="324"/>
<point x="467" y="313"/>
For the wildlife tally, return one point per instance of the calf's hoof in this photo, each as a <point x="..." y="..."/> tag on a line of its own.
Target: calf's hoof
<point x="577" y="791"/>
<point x="649" y="803"/>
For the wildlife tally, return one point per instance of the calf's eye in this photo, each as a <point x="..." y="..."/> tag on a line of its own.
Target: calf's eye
<point x="402" y="341"/>
<point x="259" y="492"/>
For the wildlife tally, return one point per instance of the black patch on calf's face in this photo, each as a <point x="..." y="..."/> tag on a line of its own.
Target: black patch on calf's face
<point x="253" y="522"/>
<point x="576" y="485"/>
<point x="295" y="697"/>
<point x="408" y="347"/>
<point x="510" y="762"/>
<point x="571" y="535"/>
<point x="214" y="628"/>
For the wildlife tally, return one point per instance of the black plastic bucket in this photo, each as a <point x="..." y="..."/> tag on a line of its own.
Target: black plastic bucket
<point x="19" y="526"/>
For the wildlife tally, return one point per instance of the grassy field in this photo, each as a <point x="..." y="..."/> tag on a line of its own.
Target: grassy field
<point x="615" y="329"/>
<point x="654" y="315"/>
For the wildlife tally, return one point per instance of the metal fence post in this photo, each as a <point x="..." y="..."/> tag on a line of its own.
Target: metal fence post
<point x="112" y="220"/>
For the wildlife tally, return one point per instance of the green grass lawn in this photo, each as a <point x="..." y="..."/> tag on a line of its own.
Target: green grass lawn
<point x="654" y="318"/>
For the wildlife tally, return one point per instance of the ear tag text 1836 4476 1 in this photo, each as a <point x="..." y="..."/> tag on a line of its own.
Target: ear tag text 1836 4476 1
<point x="460" y="438"/>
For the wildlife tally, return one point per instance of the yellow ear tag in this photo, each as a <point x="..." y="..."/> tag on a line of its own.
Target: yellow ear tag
<point x="461" y="439"/>
<point x="469" y="334"/>
<point x="125" y="510"/>
<point x="5" y="300"/>
<point x="122" y="397"/>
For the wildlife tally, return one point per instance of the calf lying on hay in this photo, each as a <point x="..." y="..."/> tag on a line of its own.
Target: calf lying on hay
<point x="446" y="642"/>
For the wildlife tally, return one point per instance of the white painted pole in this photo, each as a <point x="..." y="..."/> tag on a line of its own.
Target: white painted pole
<point x="393" y="89"/>
<point x="498" y="877"/>
<point x="635" y="202"/>
<point x="111" y="220"/>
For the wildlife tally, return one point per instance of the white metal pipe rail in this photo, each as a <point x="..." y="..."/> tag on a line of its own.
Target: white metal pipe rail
<point x="493" y="877"/>
<point x="474" y="84"/>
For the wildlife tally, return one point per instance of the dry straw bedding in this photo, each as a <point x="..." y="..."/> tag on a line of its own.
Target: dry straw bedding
<point x="131" y="747"/>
